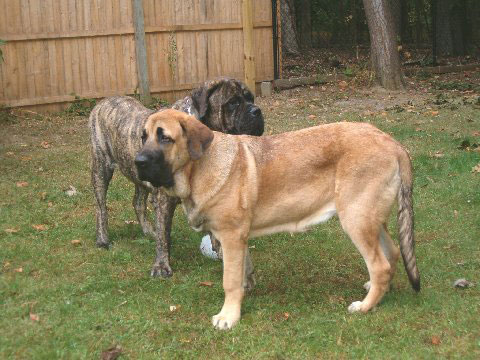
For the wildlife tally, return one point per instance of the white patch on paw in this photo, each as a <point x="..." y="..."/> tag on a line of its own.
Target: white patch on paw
<point x="221" y="322"/>
<point x="356" y="306"/>
<point x="367" y="285"/>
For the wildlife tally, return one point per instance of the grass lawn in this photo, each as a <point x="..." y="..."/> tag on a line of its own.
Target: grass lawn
<point x="61" y="297"/>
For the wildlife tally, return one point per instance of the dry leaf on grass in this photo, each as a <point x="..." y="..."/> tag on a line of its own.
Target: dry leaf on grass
<point x="435" y="340"/>
<point x="311" y="116"/>
<point x="476" y="169"/>
<point x="40" y="227"/>
<point x="206" y="283"/>
<point x="22" y="184"/>
<point x="43" y="196"/>
<point x="9" y="153"/>
<point x="34" y="317"/>
<point x="462" y="284"/>
<point x="438" y="154"/>
<point x="11" y="231"/>
<point x="174" y="308"/>
<point x="76" y="242"/>
<point x="45" y="144"/>
<point x="19" y="270"/>
<point x="131" y="222"/>
<point x="112" y="353"/>
<point x="71" y="191"/>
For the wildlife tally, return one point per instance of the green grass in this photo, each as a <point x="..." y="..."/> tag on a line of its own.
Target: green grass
<point x="89" y="299"/>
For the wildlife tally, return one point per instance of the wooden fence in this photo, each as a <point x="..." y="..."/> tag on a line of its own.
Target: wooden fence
<point x="57" y="49"/>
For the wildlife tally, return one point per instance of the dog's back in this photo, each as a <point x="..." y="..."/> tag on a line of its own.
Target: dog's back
<point x="116" y="125"/>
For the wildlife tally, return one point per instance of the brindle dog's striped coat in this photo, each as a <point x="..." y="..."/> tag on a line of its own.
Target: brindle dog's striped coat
<point x="116" y="126"/>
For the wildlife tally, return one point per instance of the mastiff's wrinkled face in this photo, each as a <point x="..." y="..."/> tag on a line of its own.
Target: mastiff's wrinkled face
<point x="170" y="139"/>
<point x="227" y="105"/>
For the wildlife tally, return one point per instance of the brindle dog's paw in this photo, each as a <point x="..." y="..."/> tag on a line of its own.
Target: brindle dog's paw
<point x="103" y="245"/>
<point x="163" y="271"/>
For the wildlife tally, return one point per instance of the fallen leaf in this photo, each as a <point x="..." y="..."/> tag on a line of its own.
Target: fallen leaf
<point x="311" y="116"/>
<point x="476" y="133"/>
<point x="476" y="169"/>
<point x="26" y="158"/>
<point x="174" y="308"/>
<point x="286" y="315"/>
<point x="7" y="264"/>
<point x="11" y="231"/>
<point x="205" y="283"/>
<point x="50" y="204"/>
<point x="40" y="227"/>
<point x="43" y="196"/>
<point x="34" y="317"/>
<point x="71" y="191"/>
<point x="343" y="84"/>
<point x="22" y="184"/>
<point x="112" y="353"/>
<point x="435" y="340"/>
<point x="455" y="213"/>
<point x="45" y="144"/>
<point x="434" y="113"/>
<point x="438" y="154"/>
<point x="129" y="222"/>
<point x="76" y="242"/>
<point x="462" y="284"/>
<point x="19" y="270"/>
<point x="9" y="153"/>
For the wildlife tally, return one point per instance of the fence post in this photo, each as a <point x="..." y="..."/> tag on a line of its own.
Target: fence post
<point x="248" y="44"/>
<point x="141" y="51"/>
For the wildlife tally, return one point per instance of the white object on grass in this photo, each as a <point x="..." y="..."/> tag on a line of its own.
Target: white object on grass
<point x="206" y="248"/>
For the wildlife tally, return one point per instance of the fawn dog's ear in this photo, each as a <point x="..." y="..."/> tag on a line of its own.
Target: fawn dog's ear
<point x="199" y="136"/>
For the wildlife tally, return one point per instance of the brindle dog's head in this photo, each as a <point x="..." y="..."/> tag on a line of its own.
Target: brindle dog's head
<point x="170" y="139"/>
<point x="226" y="105"/>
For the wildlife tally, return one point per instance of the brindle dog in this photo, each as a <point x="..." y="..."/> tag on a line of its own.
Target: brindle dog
<point x="116" y="125"/>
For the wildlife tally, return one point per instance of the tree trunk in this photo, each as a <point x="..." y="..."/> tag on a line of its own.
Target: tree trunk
<point x="458" y="23"/>
<point x="383" y="47"/>
<point x="418" y="22"/>
<point x="396" y="8"/>
<point x="443" y="29"/>
<point x="289" y="30"/>
<point x="405" y="33"/>
<point x="304" y="13"/>
<point x="353" y="21"/>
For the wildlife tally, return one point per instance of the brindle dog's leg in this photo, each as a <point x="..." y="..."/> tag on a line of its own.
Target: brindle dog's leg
<point x="102" y="172"/>
<point x="140" y="206"/>
<point x="164" y="207"/>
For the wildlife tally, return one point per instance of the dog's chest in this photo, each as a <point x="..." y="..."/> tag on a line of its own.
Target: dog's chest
<point x="194" y="216"/>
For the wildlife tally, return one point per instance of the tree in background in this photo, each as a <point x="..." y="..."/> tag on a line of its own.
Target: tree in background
<point x="289" y="28"/>
<point x="304" y="13"/>
<point x="383" y="46"/>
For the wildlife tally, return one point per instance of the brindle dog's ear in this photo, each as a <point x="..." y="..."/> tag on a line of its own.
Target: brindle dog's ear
<point x="200" y="96"/>
<point x="198" y="136"/>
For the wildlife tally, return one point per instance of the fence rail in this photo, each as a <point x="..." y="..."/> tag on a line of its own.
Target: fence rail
<point x="59" y="49"/>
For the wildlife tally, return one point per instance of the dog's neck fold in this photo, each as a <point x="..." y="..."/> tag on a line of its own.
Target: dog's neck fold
<point x="199" y="181"/>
